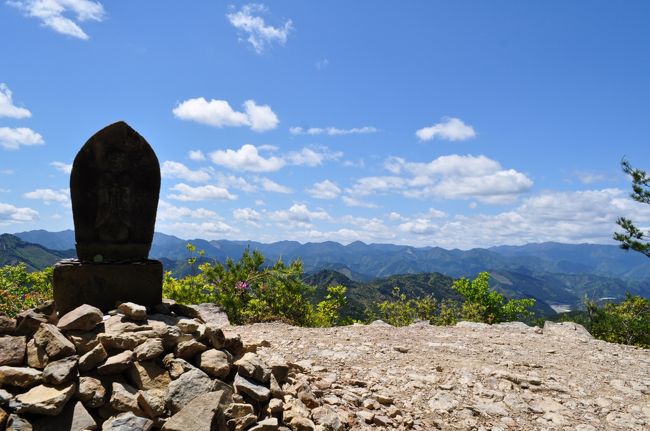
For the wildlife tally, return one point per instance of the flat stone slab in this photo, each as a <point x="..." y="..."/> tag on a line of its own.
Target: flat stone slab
<point x="45" y="400"/>
<point x="12" y="350"/>
<point x="83" y="318"/>
<point x="103" y="285"/>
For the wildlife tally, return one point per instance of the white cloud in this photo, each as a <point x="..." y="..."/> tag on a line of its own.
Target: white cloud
<point x="61" y="196"/>
<point x="354" y="202"/>
<point x="219" y="113"/>
<point x="170" y="169"/>
<point x="12" y="214"/>
<point x="196" y="155"/>
<point x="7" y="107"/>
<point x="586" y="177"/>
<point x="247" y="158"/>
<point x="377" y="184"/>
<point x="322" y="64"/>
<point x="312" y="156"/>
<point x="209" y="192"/>
<point x="450" y="129"/>
<point x="418" y="226"/>
<point x="394" y="216"/>
<point x="12" y="139"/>
<point x="66" y="168"/>
<point x="299" y="215"/>
<point x="324" y="190"/>
<point x="52" y="13"/>
<point x="205" y="230"/>
<point x="248" y="215"/>
<point x="271" y="186"/>
<point x="260" y="35"/>
<point x="332" y="131"/>
<point x="167" y="211"/>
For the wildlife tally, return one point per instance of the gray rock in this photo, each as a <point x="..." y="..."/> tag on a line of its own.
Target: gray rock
<point x="300" y="423"/>
<point x="125" y="341"/>
<point x="188" y="386"/>
<point x="12" y="350"/>
<point x="250" y="365"/>
<point x="214" y="362"/>
<point x="189" y="349"/>
<point x="50" y="338"/>
<point x="127" y="422"/>
<point x="133" y="311"/>
<point x="116" y="364"/>
<point x="85" y="341"/>
<point x="124" y="398"/>
<point x="93" y="358"/>
<point x="28" y="322"/>
<point x="61" y="371"/>
<point x="149" y="375"/>
<point x="21" y="377"/>
<point x="212" y="314"/>
<point x="17" y="423"/>
<point x="188" y="326"/>
<point x="327" y="418"/>
<point x="202" y="413"/>
<point x="215" y="335"/>
<point x="150" y="349"/>
<point x="83" y="318"/>
<point x="566" y="329"/>
<point x="268" y="424"/>
<point x="256" y="391"/>
<point x="45" y="400"/>
<point x="74" y="417"/>
<point x="7" y="325"/>
<point x="472" y="325"/>
<point x="36" y="356"/>
<point x="91" y="392"/>
<point x="152" y="402"/>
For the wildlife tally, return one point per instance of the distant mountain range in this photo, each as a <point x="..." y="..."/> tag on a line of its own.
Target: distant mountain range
<point x="558" y="274"/>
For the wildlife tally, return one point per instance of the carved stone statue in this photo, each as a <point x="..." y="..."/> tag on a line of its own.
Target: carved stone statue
<point x="115" y="185"/>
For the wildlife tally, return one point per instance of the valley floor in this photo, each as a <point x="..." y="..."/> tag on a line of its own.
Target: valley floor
<point x="469" y="377"/>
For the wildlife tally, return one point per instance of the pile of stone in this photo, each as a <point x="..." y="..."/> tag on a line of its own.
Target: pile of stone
<point x="172" y="367"/>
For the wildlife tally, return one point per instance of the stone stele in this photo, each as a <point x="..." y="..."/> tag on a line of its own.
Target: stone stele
<point x="114" y="185"/>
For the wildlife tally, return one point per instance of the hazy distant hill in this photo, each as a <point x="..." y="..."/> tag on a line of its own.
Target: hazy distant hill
<point x="554" y="273"/>
<point x="13" y="250"/>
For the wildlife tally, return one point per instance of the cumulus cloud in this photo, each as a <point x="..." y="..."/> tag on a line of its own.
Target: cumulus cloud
<point x="202" y="193"/>
<point x="258" y="33"/>
<point x="448" y="177"/>
<point x="332" y="131"/>
<point x="219" y="113"/>
<point x="66" y="168"/>
<point x="273" y="187"/>
<point x="7" y="107"/>
<point x="55" y="14"/>
<point x="450" y="129"/>
<point x="299" y="215"/>
<point x="205" y="230"/>
<point x="354" y="202"/>
<point x="48" y="196"/>
<point x="170" y="169"/>
<point x="196" y="155"/>
<point x="13" y="138"/>
<point x="247" y="158"/>
<point x="324" y="190"/>
<point x="312" y="156"/>
<point x="167" y="211"/>
<point x="11" y="214"/>
<point x="248" y="215"/>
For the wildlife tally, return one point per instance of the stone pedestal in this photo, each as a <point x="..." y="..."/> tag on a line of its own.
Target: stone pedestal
<point x="103" y="284"/>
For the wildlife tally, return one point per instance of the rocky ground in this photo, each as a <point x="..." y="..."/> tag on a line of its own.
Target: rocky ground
<point x="468" y="377"/>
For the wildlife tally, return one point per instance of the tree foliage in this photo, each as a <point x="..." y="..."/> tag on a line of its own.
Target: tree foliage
<point x="634" y="238"/>
<point x="20" y="289"/>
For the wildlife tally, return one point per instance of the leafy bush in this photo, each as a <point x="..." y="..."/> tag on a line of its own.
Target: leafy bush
<point x="627" y="322"/>
<point x="20" y="290"/>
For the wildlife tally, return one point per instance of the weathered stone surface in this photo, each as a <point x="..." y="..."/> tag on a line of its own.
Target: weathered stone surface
<point x="256" y="391"/>
<point x="17" y="423"/>
<point x="74" y="417"/>
<point x="203" y="413"/>
<point x="125" y="341"/>
<point x="133" y="311"/>
<point x="91" y="392"/>
<point x="50" y="338"/>
<point x="124" y="398"/>
<point x="45" y="400"/>
<point x="61" y="371"/>
<point x="566" y="329"/>
<point x="187" y="326"/>
<point x="127" y="422"/>
<point x="21" y="377"/>
<point x="214" y="363"/>
<point x="212" y="314"/>
<point x="302" y="424"/>
<point x="7" y="325"/>
<point x="116" y="364"/>
<point x="152" y="402"/>
<point x="176" y="366"/>
<point x="139" y="282"/>
<point x="83" y="318"/>
<point x="36" y="356"/>
<point x="85" y="341"/>
<point x="114" y="186"/>
<point x="149" y="375"/>
<point x="233" y="344"/>
<point x="215" y="335"/>
<point x="189" y="349"/>
<point x="149" y="349"/>
<point x="269" y="424"/>
<point x="250" y="365"/>
<point x="28" y="322"/>
<point x="188" y="386"/>
<point x="93" y="358"/>
<point x="12" y="350"/>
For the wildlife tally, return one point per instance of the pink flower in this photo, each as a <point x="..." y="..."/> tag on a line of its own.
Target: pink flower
<point x="241" y="285"/>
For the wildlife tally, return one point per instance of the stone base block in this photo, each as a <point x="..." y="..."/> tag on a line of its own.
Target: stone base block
<point x="104" y="284"/>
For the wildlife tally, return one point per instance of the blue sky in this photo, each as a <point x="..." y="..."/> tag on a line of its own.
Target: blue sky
<point x="457" y="124"/>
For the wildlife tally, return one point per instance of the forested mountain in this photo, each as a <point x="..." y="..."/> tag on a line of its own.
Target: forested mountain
<point x="13" y="250"/>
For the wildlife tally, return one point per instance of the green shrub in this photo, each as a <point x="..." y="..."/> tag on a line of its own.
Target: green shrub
<point x="20" y="289"/>
<point x="627" y="322"/>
